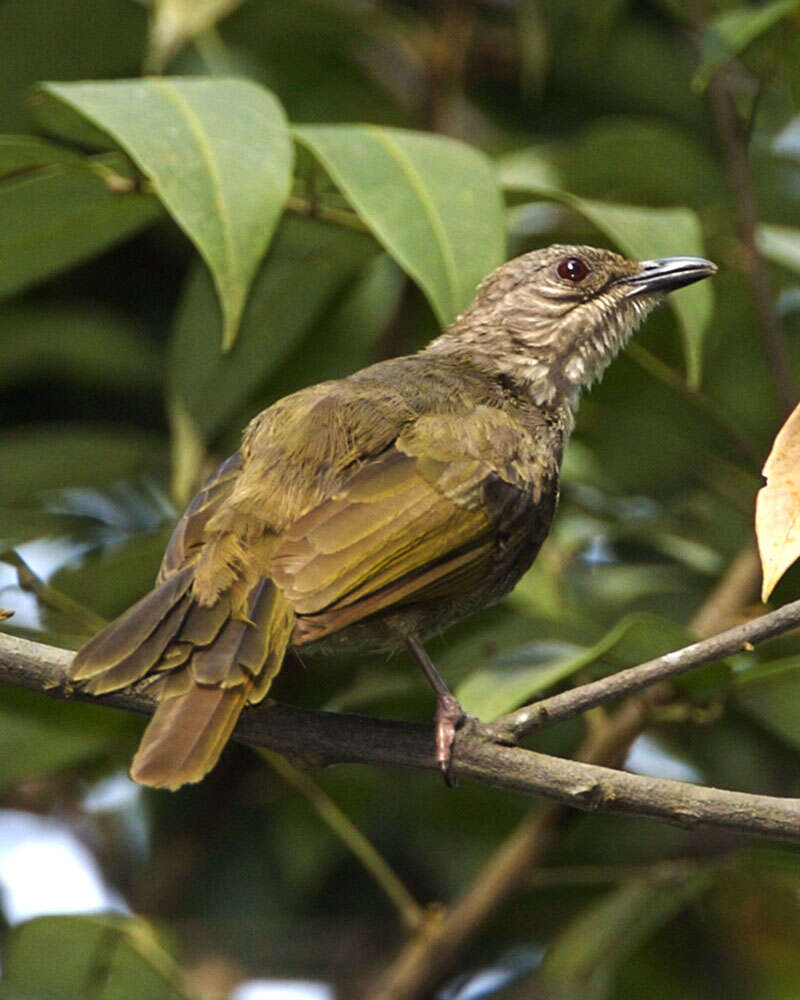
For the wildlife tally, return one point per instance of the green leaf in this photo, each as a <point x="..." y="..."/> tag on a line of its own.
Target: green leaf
<point x="731" y="31"/>
<point x="581" y="961"/>
<point x="95" y="347"/>
<point x="307" y="264"/>
<point x="641" y="233"/>
<point x="219" y="156"/>
<point x="26" y="152"/>
<point x="53" y="219"/>
<point x="519" y="675"/>
<point x="343" y="338"/>
<point x="39" y="735"/>
<point x="781" y="245"/>
<point x="770" y="693"/>
<point x="74" y="957"/>
<point x="114" y="579"/>
<point x="39" y="459"/>
<point x="529" y="169"/>
<point x="433" y="203"/>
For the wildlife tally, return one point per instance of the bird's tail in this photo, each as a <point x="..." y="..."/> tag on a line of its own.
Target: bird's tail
<point x="204" y="662"/>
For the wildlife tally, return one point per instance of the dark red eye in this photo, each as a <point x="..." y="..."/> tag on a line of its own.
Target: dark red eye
<point x="572" y="269"/>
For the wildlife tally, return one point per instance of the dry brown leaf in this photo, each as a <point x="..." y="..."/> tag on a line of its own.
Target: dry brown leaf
<point x="778" y="506"/>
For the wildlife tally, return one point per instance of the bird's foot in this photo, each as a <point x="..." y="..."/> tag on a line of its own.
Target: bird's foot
<point x="449" y="717"/>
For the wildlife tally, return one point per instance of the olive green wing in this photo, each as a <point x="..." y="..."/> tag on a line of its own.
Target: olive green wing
<point x="415" y="523"/>
<point x="189" y="535"/>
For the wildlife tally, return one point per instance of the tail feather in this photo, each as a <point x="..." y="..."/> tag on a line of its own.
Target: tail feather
<point x="125" y="635"/>
<point x="186" y="735"/>
<point x="216" y="663"/>
<point x="205" y="663"/>
<point x="203" y="623"/>
<point x="142" y="660"/>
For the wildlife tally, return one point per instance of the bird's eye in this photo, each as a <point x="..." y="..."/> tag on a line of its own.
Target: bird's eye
<point x="572" y="269"/>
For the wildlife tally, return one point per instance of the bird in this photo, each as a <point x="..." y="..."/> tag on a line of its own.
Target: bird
<point x="373" y="511"/>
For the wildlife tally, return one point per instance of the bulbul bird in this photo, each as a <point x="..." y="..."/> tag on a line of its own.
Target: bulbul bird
<point x="375" y="510"/>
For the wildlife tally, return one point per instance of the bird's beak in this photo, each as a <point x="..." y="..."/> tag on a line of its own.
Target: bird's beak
<point x="666" y="274"/>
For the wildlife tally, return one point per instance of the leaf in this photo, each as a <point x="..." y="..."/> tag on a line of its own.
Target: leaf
<point x="73" y="957"/>
<point x="778" y="505"/>
<point x="219" y="156"/>
<point x="306" y="265"/>
<point x="343" y="338"/>
<point x="781" y="244"/>
<point x="641" y="233"/>
<point x="26" y="152"/>
<point x="53" y="219"/>
<point x="581" y="961"/>
<point x="519" y="675"/>
<point x="81" y="42"/>
<point x="731" y="31"/>
<point x="770" y="693"/>
<point x="529" y="169"/>
<point x="43" y="458"/>
<point x="39" y="736"/>
<point x="112" y="580"/>
<point x="432" y="202"/>
<point x="95" y="347"/>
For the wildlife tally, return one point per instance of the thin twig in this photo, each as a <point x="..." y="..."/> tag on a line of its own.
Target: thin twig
<point x="573" y="702"/>
<point x="326" y="738"/>
<point x="87" y="621"/>
<point x="427" y="958"/>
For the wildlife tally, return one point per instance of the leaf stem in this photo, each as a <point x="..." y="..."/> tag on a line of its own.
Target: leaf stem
<point x="312" y="208"/>
<point x="411" y="913"/>
<point x="87" y="620"/>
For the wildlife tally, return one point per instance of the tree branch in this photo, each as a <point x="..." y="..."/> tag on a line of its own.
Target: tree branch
<point x="327" y="738"/>
<point x="576" y="700"/>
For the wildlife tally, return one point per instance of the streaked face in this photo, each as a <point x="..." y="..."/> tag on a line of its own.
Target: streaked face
<point x="566" y="311"/>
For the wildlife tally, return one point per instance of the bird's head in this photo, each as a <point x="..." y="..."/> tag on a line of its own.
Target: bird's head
<point x="556" y="317"/>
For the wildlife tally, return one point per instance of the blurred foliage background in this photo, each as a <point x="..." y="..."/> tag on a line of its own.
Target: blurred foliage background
<point x="651" y="125"/>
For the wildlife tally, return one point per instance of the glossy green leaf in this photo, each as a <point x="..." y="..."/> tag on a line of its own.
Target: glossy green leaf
<point x="39" y="459"/>
<point x="218" y="155"/>
<point x="781" y="245"/>
<point x="76" y="957"/>
<point x="770" y="693"/>
<point x="52" y="219"/>
<point x="307" y="264"/>
<point x="642" y="233"/>
<point x="731" y="31"/>
<point x="580" y="963"/>
<point x="433" y="203"/>
<point x="520" y="675"/>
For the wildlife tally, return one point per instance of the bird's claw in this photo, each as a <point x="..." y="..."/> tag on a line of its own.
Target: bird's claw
<point x="449" y="717"/>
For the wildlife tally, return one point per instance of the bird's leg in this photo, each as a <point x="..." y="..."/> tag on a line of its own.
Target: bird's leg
<point x="449" y="714"/>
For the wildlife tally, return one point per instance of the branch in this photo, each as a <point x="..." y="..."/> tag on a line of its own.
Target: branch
<point x="568" y="703"/>
<point x="327" y="738"/>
